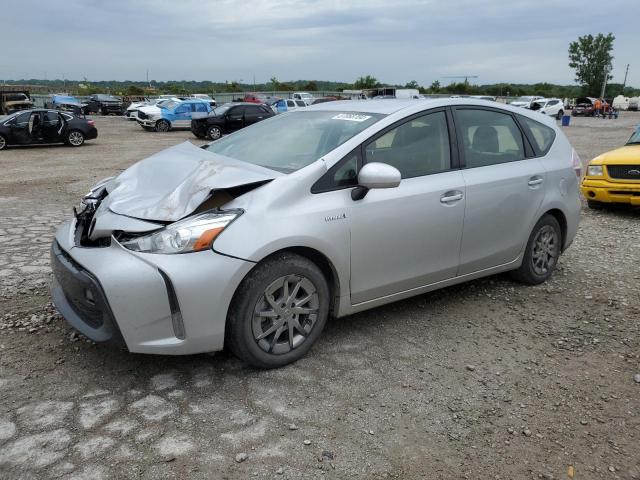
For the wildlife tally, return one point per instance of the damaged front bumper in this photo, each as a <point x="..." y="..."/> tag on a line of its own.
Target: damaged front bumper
<point x="161" y="304"/>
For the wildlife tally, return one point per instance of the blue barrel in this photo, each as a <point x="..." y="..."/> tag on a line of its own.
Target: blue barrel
<point x="565" y="120"/>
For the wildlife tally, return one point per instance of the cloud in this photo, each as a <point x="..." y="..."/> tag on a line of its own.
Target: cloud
<point x="423" y="40"/>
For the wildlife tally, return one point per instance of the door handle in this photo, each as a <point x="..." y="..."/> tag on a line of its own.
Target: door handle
<point x="535" y="181"/>
<point x="451" y="197"/>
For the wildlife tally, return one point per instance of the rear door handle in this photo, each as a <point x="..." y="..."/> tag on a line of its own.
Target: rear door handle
<point x="450" y="197"/>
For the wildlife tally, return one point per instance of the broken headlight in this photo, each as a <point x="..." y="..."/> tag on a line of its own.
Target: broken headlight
<point x="193" y="234"/>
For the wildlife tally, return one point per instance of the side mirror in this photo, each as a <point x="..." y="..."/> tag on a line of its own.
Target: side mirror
<point x="375" y="175"/>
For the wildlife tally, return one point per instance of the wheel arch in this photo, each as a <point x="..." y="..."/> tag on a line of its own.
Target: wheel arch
<point x="164" y="120"/>
<point x="318" y="258"/>
<point x="562" y="220"/>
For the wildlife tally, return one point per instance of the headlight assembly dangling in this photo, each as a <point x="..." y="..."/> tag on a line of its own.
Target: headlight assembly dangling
<point x="193" y="234"/>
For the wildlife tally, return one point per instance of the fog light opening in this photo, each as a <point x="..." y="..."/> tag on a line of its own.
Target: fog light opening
<point x="176" y="314"/>
<point x="592" y="194"/>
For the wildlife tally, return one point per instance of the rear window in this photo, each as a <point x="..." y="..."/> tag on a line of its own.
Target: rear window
<point x="541" y="135"/>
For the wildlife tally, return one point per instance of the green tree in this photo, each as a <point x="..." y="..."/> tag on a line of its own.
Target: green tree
<point x="310" y="86"/>
<point x="134" y="90"/>
<point x="412" y="84"/>
<point x="232" y="87"/>
<point x="590" y="56"/>
<point x="435" y="86"/>
<point x="366" y="82"/>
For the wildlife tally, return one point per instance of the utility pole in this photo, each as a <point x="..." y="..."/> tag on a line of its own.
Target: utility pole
<point x="604" y="82"/>
<point x="624" y="84"/>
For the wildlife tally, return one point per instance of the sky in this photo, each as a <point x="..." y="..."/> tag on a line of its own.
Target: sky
<point x="396" y="41"/>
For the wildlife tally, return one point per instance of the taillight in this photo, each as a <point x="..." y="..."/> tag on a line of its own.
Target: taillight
<point x="576" y="162"/>
<point x="91" y="123"/>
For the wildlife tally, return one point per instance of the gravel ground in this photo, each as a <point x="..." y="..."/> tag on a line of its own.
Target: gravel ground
<point x="489" y="379"/>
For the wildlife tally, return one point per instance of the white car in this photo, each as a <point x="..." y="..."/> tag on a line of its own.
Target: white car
<point x="307" y="98"/>
<point x="554" y="107"/>
<point x="130" y="113"/>
<point x="287" y="105"/>
<point x="203" y="96"/>
<point x="524" y="101"/>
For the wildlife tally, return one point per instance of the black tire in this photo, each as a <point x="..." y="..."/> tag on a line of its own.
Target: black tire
<point x="214" y="132"/>
<point x="533" y="271"/>
<point x="162" y="126"/>
<point x="595" y="205"/>
<point x="244" y="322"/>
<point x="3" y="142"/>
<point x="559" y="114"/>
<point x="75" y="138"/>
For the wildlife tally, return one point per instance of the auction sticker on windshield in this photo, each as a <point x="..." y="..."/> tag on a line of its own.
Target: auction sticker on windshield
<point x="352" y="117"/>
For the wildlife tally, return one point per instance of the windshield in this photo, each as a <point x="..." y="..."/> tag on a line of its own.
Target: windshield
<point x="523" y="99"/>
<point x="169" y="104"/>
<point x="221" y="110"/>
<point x="635" y="138"/>
<point x="289" y="142"/>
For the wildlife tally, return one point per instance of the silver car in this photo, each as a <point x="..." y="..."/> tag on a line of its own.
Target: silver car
<point x="254" y="240"/>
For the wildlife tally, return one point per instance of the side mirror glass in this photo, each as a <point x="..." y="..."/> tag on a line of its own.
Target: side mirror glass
<point x="375" y="175"/>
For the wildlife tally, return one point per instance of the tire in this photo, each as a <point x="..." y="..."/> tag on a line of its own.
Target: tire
<point x="542" y="252"/>
<point x="75" y="138"/>
<point x="595" y="205"/>
<point x="149" y="129"/>
<point x="3" y="142"/>
<point x="559" y="114"/>
<point x="257" y="339"/>
<point x="214" y="132"/>
<point x="162" y="126"/>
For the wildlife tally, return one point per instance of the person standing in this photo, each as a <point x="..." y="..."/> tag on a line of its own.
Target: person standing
<point x="598" y="106"/>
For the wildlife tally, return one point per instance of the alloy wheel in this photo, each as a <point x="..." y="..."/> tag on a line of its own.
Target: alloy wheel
<point x="546" y="248"/>
<point x="215" y="133"/>
<point x="285" y="314"/>
<point x="76" y="139"/>
<point x="3" y="143"/>
<point x="162" y="126"/>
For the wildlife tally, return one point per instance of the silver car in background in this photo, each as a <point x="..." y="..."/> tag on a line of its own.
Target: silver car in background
<point x="252" y="241"/>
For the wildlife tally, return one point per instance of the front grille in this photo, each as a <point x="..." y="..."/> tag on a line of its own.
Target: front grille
<point x="625" y="192"/>
<point x="624" y="172"/>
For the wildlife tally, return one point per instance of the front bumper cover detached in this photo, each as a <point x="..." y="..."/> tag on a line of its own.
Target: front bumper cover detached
<point x="110" y="293"/>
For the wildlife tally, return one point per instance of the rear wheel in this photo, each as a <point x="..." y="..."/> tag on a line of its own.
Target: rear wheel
<point x="214" y="132"/>
<point x="542" y="252"/>
<point x="75" y="138"/>
<point x="3" y="142"/>
<point x="278" y="311"/>
<point x="162" y="126"/>
<point x="595" y="205"/>
<point x="559" y="114"/>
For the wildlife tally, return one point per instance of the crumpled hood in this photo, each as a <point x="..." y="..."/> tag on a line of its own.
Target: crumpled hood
<point x="172" y="183"/>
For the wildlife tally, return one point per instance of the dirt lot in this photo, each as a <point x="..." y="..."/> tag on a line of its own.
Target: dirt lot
<point x="489" y="379"/>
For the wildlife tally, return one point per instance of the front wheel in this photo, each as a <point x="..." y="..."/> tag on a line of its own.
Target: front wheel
<point x="75" y="138"/>
<point x="278" y="312"/>
<point x="559" y="115"/>
<point x="162" y="126"/>
<point x="542" y="252"/>
<point x="3" y="142"/>
<point x="214" y="132"/>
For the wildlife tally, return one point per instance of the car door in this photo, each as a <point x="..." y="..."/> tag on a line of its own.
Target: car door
<point x="20" y="129"/>
<point x="253" y="115"/>
<point x="52" y="126"/>
<point x="504" y="184"/>
<point x="182" y="116"/>
<point x="235" y="118"/>
<point x="407" y="237"/>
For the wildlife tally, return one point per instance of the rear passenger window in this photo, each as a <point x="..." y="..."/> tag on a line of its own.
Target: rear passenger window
<point x="541" y="135"/>
<point x="417" y="147"/>
<point x="300" y="103"/>
<point x="489" y="137"/>
<point x="200" y="107"/>
<point x="290" y="103"/>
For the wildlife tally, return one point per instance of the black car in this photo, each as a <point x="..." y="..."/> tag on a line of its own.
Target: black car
<point x="32" y="127"/>
<point x="228" y="118"/>
<point x="105" y="104"/>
